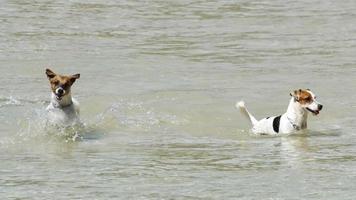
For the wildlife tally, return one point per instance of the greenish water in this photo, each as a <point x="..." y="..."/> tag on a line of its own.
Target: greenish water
<point x="159" y="81"/>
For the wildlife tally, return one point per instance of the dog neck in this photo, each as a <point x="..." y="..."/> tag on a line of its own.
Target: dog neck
<point x="296" y="114"/>
<point x="64" y="102"/>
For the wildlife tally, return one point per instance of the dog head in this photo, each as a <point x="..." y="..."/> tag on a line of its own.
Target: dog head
<point x="307" y="100"/>
<point x="60" y="84"/>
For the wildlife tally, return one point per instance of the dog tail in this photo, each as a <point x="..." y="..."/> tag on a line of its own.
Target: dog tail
<point x="243" y="109"/>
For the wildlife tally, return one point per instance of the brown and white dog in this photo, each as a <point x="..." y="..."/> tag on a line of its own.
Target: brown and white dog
<point x="295" y="119"/>
<point x="63" y="109"/>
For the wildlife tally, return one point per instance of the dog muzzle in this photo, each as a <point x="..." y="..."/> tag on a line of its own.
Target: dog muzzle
<point x="315" y="112"/>
<point x="59" y="93"/>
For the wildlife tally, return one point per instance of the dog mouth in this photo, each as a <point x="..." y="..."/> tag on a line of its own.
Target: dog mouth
<point x="58" y="97"/>
<point x="315" y="112"/>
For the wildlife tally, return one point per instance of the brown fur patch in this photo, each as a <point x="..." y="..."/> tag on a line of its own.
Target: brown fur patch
<point x="303" y="96"/>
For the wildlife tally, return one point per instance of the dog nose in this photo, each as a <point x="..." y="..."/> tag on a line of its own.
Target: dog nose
<point x="320" y="106"/>
<point x="60" y="91"/>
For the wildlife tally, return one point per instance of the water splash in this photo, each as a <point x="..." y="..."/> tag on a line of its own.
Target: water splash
<point x="121" y="116"/>
<point x="9" y="101"/>
<point x="135" y="116"/>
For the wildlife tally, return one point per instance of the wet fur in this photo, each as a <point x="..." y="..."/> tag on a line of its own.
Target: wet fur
<point x="63" y="109"/>
<point x="295" y="119"/>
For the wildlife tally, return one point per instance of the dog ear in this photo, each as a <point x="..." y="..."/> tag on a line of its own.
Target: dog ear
<point x="74" y="77"/>
<point x="295" y="94"/>
<point x="50" y="74"/>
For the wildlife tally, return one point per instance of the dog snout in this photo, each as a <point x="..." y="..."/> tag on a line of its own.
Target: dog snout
<point x="320" y="107"/>
<point x="60" y="91"/>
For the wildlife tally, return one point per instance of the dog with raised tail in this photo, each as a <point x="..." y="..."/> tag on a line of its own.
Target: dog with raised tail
<point x="63" y="108"/>
<point x="295" y="119"/>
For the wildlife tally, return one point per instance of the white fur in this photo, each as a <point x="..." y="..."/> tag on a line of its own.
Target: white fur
<point x="63" y="112"/>
<point x="293" y="120"/>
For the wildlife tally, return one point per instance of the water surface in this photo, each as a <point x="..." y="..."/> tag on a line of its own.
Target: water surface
<point x="159" y="81"/>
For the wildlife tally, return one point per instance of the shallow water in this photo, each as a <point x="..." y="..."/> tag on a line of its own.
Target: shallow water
<point x="159" y="81"/>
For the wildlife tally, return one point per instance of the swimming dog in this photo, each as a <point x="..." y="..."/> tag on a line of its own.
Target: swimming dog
<point x="295" y="119"/>
<point x="63" y="109"/>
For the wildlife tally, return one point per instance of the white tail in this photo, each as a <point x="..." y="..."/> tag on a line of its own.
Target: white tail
<point x="243" y="109"/>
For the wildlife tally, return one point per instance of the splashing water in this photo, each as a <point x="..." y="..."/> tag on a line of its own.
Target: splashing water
<point x="119" y="116"/>
<point x="9" y="101"/>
